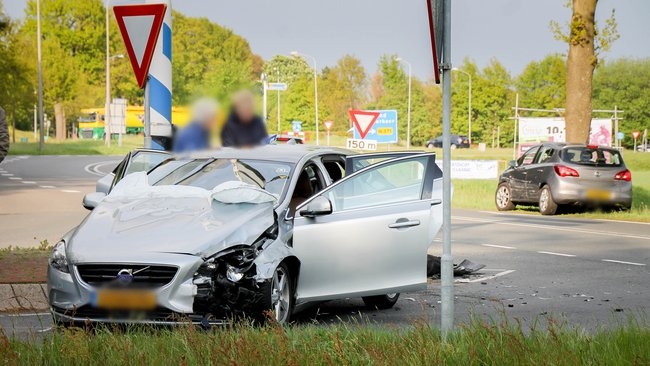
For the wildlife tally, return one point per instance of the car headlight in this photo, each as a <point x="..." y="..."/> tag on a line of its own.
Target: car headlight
<point x="58" y="259"/>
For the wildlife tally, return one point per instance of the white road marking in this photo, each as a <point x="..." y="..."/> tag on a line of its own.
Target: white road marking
<point x="69" y="191"/>
<point x="553" y="227"/>
<point x="480" y="279"/>
<point x="559" y="254"/>
<point x="28" y="182"/>
<point x="623" y="262"/>
<point x="15" y="178"/>
<point x="93" y="168"/>
<point x="498" y="246"/>
<point x="47" y="187"/>
<point x="7" y="175"/>
<point x="533" y="214"/>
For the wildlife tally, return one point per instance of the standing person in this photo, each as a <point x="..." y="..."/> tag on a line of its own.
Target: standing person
<point x="243" y="128"/>
<point x="4" y="135"/>
<point x="196" y="135"/>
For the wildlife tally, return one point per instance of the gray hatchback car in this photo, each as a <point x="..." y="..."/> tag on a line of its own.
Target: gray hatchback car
<point x="552" y="175"/>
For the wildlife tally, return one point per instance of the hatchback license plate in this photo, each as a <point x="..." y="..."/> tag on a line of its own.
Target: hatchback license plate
<point x="598" y="195"/>
<point x="124" y="299"/>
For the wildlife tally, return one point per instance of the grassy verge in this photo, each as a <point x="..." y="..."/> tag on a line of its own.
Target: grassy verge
<point x="476" y="344"/>
<point x="72" y="147"/>
<point x="24" y="265"/>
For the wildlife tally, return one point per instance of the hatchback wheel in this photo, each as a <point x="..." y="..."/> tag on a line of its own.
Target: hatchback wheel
<point x="546" y="204"/>
<point x="430" y="146"/>
<point x="381" y="302"/>
<point x="453" y="146"/>
<point x="503" y="198"/>
<point x="282" y="294"/>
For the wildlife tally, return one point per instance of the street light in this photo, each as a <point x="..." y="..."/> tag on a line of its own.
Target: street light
<point x="107" y="105"/>
<point x="408" y="123"/>
<point x="469" y="107"/>
<point x="41" y="140"/>
<point x="298" y="54"/>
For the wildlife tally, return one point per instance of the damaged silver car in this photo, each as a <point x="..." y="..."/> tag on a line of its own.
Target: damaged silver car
<point x="265" y="232"/>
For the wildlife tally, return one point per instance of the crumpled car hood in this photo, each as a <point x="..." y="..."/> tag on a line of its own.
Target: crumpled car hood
<point x="132" y="227"/>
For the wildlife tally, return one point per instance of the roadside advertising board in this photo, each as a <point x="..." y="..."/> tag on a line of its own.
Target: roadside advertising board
<point x="535" y="130"/>
<point x="473" y="169"/>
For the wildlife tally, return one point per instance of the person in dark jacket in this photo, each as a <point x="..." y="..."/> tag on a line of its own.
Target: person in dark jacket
<point x="243" y="128"/>
<point x="196" y="135"/>
<point x="4" y="135"/>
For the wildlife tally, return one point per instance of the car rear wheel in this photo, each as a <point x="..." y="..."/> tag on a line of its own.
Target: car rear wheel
<point x="430" y="146"/>
<point x="453" y="146"/>
<point x="547" y="205"/>
<point x="282" y="294"/>
<point x="503" y="198"/>
<point x="381" y="302"/>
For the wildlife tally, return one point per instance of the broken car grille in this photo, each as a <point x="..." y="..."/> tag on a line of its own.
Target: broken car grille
<point x="126" y="274"/>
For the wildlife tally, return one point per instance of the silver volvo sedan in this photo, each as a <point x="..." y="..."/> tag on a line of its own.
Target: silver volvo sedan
<point x="259" y="233"/>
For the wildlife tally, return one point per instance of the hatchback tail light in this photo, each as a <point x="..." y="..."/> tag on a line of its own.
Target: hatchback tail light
<point x="625" y="175"/>
<point x="565" y="171"/>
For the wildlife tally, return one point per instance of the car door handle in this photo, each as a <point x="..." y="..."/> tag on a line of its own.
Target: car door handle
<point x="402" y="224"/>
<point x="436" y="202"/>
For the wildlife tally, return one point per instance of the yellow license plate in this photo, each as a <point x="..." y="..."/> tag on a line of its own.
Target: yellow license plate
<point x="125" y="299"/>
<point x="598" y="195"/>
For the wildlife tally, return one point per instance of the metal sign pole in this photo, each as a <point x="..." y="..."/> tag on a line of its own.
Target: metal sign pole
<point x="147" y="117"/>
<point x="446" y="262"/>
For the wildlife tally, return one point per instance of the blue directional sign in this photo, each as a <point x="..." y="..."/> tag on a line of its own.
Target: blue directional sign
<point x="384" y="130"/>
<point x="296" y="126"/>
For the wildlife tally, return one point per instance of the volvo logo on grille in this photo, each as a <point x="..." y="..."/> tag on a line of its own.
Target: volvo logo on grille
<point x="125" y="276"/>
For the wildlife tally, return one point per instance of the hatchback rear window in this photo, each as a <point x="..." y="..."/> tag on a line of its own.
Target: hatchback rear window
<point x="592" y="156"/>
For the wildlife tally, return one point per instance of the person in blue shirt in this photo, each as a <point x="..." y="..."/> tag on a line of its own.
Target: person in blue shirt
<point x="197" y="134"/>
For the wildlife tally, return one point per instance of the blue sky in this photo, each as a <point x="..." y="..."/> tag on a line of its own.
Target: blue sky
<point x="513" y="31"/>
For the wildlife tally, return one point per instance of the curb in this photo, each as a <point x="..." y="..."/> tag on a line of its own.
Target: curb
<point x="20" y="297"/>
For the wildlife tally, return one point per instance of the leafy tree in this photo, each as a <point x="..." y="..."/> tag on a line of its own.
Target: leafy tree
<point x="343" y="87"/>
<point x="624" y="83"/>
<point x="297" y="102"/>
<point x="585" y="41"/>
<point x="542" y="83"/>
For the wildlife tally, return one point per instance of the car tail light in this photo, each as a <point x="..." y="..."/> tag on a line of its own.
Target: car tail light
<point x="565" y="171"/>
<point x="625" y="175"/>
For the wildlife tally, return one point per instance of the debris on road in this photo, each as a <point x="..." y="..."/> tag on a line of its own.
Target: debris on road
<point x="464" y="268"/>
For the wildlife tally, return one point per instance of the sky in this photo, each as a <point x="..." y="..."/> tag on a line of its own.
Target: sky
<point x="513" y="31"/>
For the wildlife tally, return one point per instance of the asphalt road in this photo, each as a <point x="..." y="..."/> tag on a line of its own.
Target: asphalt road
<point x="583" y="272"/>
<point x="40" y="196"/>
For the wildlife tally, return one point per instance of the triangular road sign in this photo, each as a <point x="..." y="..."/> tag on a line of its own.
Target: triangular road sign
<point x="140" y="26"/>
<point x="363" y="120"/>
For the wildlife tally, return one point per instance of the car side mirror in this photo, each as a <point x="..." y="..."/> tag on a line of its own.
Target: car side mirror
<point x="512" y="163"/>
<point x="317" y="207"/>
<point x="104" y="184"/>
<point x="92" y="200"/>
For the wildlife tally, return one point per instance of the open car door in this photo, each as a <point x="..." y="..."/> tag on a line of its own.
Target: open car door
<point x="368" y="233"/>
<point x="140" y="160"/>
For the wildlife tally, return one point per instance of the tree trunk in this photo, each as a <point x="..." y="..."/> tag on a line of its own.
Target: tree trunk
<point x="580" y="70"/>
<point x="59" y="117"/>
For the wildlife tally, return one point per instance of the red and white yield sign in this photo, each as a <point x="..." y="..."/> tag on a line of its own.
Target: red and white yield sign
<point x="328" y="125"/>
<point x="363" y="120"/>
<point x="140" y="27"/>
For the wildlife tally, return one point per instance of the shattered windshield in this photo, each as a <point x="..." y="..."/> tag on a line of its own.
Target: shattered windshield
<point x="209" y="173"/>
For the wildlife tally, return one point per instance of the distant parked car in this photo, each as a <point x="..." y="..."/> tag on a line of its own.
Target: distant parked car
<point x="643" y="148"/>
<point x="551" y="175"/>
<point x="457" y="142"/>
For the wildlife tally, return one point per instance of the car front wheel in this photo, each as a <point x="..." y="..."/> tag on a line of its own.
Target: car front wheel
<point x="430" y="146"/>
<point x="282" y="294"/>
<point x="381" y="302"/>
<point x="547" y="205"/>
<point x="503" y="198"/>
